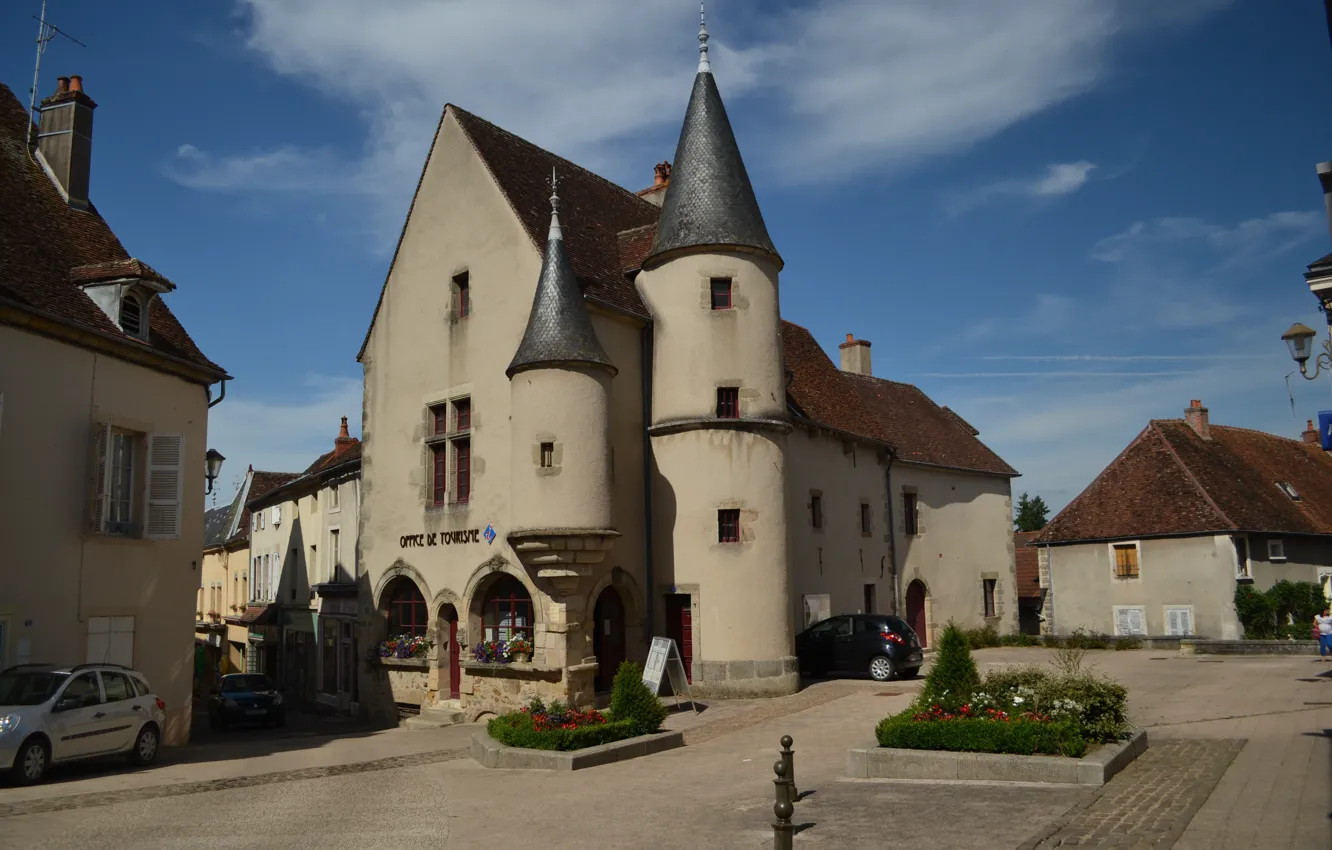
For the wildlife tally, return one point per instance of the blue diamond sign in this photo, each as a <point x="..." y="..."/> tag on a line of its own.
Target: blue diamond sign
<point x="490" y="533"/>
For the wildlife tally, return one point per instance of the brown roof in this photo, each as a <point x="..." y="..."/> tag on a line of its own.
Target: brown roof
<point x="43" y="241"/>
<point x="1028" y="569"/>
<point x="261" y="483"/>
<point x="1170" y="481"/>
<point x="887" y="411"/>
<point x="328" y="460"/>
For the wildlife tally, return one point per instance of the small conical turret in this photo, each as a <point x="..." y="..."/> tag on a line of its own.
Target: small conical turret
<point x="710" y="201"/>
<point x="559" y="330"/>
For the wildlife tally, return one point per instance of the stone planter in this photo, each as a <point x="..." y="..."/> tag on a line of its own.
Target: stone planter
<point x="491" y="753"/>
<point x="1095" y="768"/>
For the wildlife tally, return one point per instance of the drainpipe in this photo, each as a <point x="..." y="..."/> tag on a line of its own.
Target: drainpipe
<point x="649" y="578"/>
<point x="213" y="402"/>
<point x="892" y="535"/>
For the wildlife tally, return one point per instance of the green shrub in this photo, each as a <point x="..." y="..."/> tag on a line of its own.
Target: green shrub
<point x="1098" y="705"/>
<point x="981" y="638"/>
<point x="953" y="678"/>
<point x="1019" y="639"/>
<point x="515" y="730"/>
<point x="1009" y="680"/>
<point x="1087" y="640"/>
<point x="1297" y="601"/>
<point x="633" y="702"/>
<point x="1297" y="630"/>
<point x="1255" y="613"/>
<point x="976" y="735"/>
<point x="1124" y="643"/>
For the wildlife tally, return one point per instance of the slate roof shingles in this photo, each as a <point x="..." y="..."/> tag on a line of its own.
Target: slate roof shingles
<point x="1169" y="481"/>
<point x="43" y="241"/>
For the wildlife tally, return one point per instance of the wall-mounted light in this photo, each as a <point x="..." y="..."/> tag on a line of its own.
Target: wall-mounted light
<point x="212" y="467"/>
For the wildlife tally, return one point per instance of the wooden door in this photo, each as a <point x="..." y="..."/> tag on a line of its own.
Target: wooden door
<point x="680" y="628"/>
<point x="608" y="639"/>
<point x="915" y="606"/>
<point x="449" y="615"/>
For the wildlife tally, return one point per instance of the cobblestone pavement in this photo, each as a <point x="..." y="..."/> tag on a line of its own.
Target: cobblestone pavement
<point x="106" y="798"/>
<point x="1150" y="803"/>
<point x="770" y="709"/>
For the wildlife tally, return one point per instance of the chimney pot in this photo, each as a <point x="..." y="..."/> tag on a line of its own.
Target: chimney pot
<point x="344" y="440"/>
<point x="856" y="356"/>
<point x="1196" y="417"/>
<point x="62" y="85"/>
<point x="1310" y="434"/>
<point x="76" y="83"/>
<point x="64" y="139"/>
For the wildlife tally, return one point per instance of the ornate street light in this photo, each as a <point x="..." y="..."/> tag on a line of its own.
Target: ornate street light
<point x="212" y="467"/>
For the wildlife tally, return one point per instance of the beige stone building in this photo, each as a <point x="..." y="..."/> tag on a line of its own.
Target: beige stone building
<point x="103" y="424"/>
<point x="1157" y="544"/>
<point x="586" y="424"/>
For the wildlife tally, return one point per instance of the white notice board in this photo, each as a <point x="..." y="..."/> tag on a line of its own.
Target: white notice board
<point x="664" y="659"/>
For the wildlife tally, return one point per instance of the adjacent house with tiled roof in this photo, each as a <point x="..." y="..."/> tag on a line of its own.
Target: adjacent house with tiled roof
<point x="1158" y="542"/>
<point x="586" y="424"/>
<point x="104" y="403"/>
<point x="303" y="578"/>
<point x="1026" y="557"/>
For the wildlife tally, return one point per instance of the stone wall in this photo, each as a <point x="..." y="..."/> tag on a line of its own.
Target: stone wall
<point x="501" y="688"/>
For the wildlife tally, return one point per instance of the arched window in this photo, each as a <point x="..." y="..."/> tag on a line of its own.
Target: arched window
<point x="131" y="316"/>
<point x="507" y="610"/>
<point x="406" y="608"/>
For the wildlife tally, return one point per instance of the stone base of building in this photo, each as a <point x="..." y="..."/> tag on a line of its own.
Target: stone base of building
<point x="774" y="677"/>
<point x="500" y="688"/>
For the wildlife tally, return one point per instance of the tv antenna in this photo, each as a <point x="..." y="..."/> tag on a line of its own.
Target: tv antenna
<point x="45" y="33"/>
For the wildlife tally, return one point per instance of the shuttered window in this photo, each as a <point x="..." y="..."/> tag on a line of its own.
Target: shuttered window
<point x="102" y="479"/>
<point x="1179" y="620"/>
<point x="111" y="640"/>
<point x="1126" y="560"/>
<point x="164" y="486"/>
<point x="1130" y="620"/>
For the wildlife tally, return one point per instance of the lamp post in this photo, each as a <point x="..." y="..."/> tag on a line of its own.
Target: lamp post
<point x="212" y="467"/>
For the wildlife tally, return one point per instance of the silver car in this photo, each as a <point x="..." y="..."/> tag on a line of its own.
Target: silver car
<point x="50" y="715"/>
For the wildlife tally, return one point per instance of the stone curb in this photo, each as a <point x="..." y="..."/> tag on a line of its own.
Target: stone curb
<point x="491" y="753"/>
<point x="1095" y="768"/>
<point x="1248" y="647"/>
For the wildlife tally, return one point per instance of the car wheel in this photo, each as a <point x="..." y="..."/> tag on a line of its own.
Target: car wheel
<point x="146" y="745"/>
<point x="30" y="762"/>
<point x="881" y="668"/>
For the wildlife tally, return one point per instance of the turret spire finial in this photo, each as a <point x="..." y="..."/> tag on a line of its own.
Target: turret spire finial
<point x="555" y="232"/>
<point x="703" y="65"/>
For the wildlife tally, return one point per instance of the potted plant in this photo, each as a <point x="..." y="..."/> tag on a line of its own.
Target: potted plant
<point x="491" y="652"/>
<point x="520" y="649"/>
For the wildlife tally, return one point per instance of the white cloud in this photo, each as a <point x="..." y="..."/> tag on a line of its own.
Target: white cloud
<point x="847" y="85"/>
<point x="284" y="434"/>
<point x="1248" y="241"/>
<point x="1057" y="180"/>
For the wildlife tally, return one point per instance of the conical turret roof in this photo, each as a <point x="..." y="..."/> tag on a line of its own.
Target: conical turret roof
<point x="559" y="330"/>
<point x="709" y="200"/>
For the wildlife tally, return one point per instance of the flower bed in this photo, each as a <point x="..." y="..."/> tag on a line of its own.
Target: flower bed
<point x="502" y="651"/>
<point x="634" y="711"/>
<point x="405" y="646"/>
<point x="1026" y="710"/>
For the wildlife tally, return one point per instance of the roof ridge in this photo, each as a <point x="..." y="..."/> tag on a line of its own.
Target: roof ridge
<point x="1192" y="478"/>
<point x="567" y="162"/>
<point x="1104" y="471"/>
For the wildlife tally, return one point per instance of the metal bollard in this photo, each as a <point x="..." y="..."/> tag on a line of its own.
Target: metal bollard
<point x="788" y="758"/>
<point x="782" y="830"/>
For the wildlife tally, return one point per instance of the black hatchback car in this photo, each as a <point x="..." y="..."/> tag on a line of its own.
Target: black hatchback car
<point x="879" y="644"/>
<point x="246" y="697"/>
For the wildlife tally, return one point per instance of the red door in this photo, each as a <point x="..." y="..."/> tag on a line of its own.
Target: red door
<point x="450" y="616"/>
<point x="915" y="609"/>
<point x="680" y="628"/>
<point x="608" y="639"/>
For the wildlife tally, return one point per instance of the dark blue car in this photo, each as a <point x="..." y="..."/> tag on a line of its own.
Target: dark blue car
<point x="246" y="698"/>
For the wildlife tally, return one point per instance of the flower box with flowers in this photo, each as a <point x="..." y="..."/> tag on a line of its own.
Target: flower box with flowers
<point x="514" y="650"/>
<point x="405" y="646"/>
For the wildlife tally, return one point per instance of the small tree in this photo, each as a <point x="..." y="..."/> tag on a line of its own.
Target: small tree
<point x="634" y="701"/>
<point x="1031" y="513"/>
<point x="953" y="678"/>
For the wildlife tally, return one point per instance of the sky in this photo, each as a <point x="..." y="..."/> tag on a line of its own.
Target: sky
<point x="1061" y="218"/>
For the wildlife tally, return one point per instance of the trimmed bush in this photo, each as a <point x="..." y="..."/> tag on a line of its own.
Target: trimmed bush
<point x="1126" y="643"/>
<point x="953" y="678"/>
<point x="982" y="638"/>
<point x="633" y="702"/>
<point x="516" y="730"/>
<point x="976" y="735"/>
<point x="1019" y="639"/>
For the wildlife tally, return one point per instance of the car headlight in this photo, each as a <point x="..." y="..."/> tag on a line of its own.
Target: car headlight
<point x="8" y="723"/>
<point x="229" y="702"/>
<point x="277" y="699"/>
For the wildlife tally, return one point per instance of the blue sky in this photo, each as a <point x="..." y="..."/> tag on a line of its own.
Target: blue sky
<point x="1060" y="217"/>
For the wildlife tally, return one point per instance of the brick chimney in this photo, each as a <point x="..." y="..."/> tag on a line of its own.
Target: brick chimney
<point x="1310" y="434"/>
<point x="856" y="356"/>
<point x="344" y="441"/>
<point x="64" y="139"/>
<point x="661" y="178"/>
<point x="1196" y="416"/>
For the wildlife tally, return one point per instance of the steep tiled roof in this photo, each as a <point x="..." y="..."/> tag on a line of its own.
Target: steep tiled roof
<point x="1028" y="568"/>
<point x="43" y="240"/>
<point x="1170" y="481"/>
<point x="115" y="269"/>
<point x="887" y="411"/>
<point x="217" y="522"/>
<point x="261" y="484"/>
<point x="328" y="460"/>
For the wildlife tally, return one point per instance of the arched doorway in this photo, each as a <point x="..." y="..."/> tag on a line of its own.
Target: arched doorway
<point x="449" y="652"/>
<point x="608" y="636"/>
<point x="915" y="610"/>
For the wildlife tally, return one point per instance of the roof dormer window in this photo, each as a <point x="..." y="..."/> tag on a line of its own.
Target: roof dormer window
<point x="1289" y="490"/>
<point x="131" y="315"/>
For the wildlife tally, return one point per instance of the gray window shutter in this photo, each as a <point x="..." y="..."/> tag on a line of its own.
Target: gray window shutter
<point x="164" y="486"/>
<point x="102" y="478"/>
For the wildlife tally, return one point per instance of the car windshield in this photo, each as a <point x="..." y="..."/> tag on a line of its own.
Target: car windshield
<point x="29" y="687"/>
<point x="231" y="684"/>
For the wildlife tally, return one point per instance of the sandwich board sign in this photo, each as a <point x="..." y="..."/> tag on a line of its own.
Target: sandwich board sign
<point x="664" y="660"/>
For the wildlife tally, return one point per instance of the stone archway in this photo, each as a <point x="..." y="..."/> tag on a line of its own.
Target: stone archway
<point x="608" y="635"/>
<point x="915" y="610"/>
